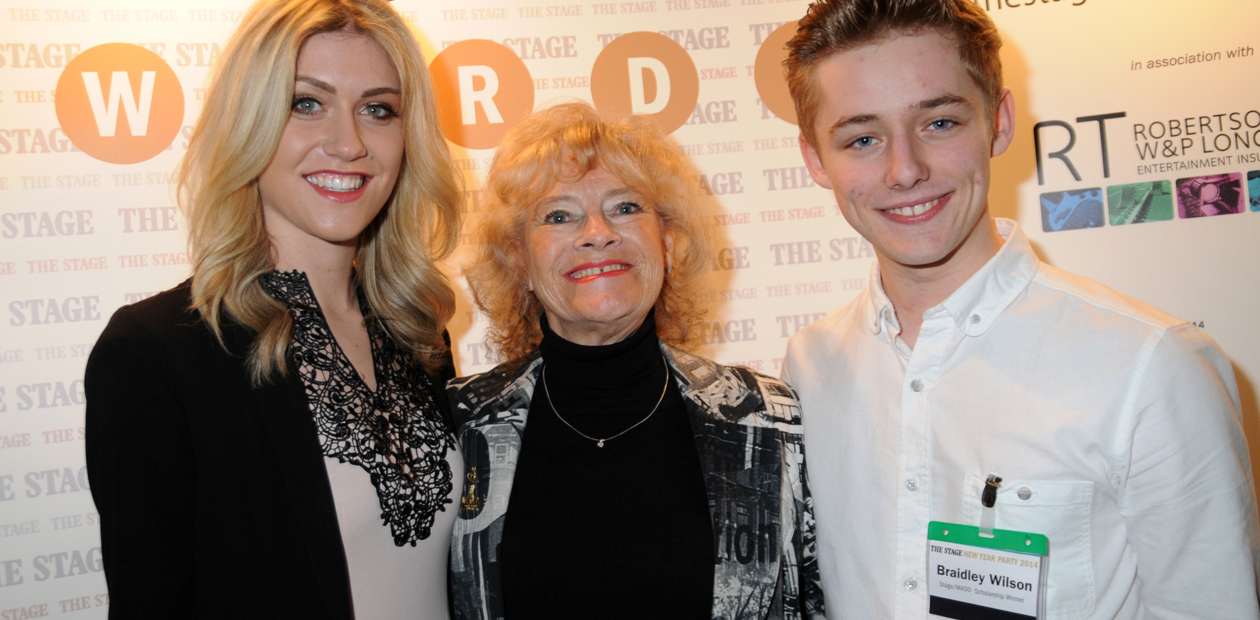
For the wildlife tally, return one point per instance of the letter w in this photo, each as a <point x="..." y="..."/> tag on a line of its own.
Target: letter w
<point x="120" y="95"/>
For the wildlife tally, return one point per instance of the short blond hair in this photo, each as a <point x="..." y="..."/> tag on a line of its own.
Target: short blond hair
<point x="832" y="26"/>
<point x="238" y="132"/>
<point x="560" y="145"/>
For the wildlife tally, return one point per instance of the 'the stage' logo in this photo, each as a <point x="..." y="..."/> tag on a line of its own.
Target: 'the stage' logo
<point x="120" y="103"/>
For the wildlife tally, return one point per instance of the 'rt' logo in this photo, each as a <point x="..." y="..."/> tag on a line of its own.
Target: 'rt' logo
<point x="1062" y="154"/>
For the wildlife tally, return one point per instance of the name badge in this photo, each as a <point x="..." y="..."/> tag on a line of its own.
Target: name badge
<point x="973" y="577"/>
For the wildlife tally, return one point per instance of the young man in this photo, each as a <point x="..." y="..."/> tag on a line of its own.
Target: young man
<point x="1115" y="428"/>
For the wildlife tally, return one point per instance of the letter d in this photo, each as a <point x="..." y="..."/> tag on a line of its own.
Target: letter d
<point x="638" y="104"/>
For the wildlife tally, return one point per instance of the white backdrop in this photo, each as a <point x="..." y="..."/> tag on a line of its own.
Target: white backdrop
<point x="79" y="237"/>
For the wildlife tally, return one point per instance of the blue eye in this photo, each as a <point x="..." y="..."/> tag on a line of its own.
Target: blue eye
<point x="628" y="207"/>
<point x="556" y="217"/>
<point x="863" y="142"/>
<point x="380" y="111"/>
<point x="942" y="123"/>
<point x="305" y="105"/>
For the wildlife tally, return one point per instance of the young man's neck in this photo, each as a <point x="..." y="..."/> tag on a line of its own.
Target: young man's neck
<point x="915" y="289"/>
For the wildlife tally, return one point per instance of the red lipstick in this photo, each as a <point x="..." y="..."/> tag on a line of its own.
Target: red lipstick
<point x="610" y="273"/>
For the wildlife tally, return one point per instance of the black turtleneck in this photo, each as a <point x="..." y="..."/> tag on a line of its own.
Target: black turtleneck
<point x="621" y="531"/>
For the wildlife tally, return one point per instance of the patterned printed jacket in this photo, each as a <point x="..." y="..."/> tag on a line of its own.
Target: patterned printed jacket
<point x="748" y="432"/>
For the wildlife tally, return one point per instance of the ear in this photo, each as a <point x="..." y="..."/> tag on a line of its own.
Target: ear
<point x="1003" y="124"/>
<point x="814" y="163"/>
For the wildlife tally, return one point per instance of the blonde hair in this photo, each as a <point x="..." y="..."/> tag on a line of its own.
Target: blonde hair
<point x="560" y="145"/>
<point x="237" y="134"/>
<point x="832" y="26"/>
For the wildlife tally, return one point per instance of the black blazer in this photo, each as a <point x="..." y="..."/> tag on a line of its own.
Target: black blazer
<point x="213" y="495"/>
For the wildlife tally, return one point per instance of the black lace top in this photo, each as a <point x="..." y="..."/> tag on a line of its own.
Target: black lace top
<point x="396" y="433"/>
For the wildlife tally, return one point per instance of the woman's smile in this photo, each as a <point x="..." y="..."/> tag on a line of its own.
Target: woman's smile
<point x="597" y="257"/>
<point x="588" y="272"/>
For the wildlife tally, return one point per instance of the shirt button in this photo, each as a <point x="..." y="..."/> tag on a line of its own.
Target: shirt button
<point x="911" y="584"/>
<point x="916" y="385"/>
<point x="975" y="318"/>
<point x="912" y="484"/>
<point x="1024" y="493"/>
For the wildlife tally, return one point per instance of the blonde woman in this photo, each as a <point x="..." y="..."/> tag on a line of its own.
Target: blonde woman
<point x="270" y="438"/>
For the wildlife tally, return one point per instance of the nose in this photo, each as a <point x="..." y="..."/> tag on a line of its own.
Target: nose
<point x="343" y="140"/>
<point x="598" y="233"/>
<point x="906" y="166"/>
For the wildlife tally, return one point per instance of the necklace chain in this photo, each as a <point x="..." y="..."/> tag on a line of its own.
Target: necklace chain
<point x="599" y="442"/>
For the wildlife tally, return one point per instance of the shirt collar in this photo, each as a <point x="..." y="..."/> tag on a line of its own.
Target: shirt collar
<point x="881" y="306"/>
<point x="976" y="304"/>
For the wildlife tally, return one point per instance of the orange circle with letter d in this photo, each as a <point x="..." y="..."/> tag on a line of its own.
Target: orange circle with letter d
<point x="120" y="103"/>
<point x="646" y="74"/>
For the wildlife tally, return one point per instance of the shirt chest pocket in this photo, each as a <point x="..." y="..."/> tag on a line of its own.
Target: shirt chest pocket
<point x="1060" y="509"/>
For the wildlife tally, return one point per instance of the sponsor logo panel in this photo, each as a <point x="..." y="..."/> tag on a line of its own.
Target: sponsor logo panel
<point x="1205" y="196"/>
<point x="1140" y="202"/>
<point x="1071" y="210"/>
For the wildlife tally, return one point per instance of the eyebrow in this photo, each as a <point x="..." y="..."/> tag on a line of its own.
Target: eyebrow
<point x="619" y="192"/>
<point x="612" y="194"/>
<point x="320" y="84"/>
<point x="380" y="90"/>
<point x="941" y="101"/>
<point x="926" y="104"/>
<point x="846" y="121"/>
<point x="325" y="86"/>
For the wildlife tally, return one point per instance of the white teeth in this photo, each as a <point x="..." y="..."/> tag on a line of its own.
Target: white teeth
<point x="336" y="182"/>
<point x="918" y="209"/>
<point x="594" y="271"/>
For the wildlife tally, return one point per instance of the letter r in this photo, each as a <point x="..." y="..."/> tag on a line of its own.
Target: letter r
<point x="1060" y="154"/>
<point x="469" y="96"/>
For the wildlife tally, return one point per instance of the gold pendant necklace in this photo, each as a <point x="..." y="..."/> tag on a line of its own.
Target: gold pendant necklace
<point x="599" y="443"/>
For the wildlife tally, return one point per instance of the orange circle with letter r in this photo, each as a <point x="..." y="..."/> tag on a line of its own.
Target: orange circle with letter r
<point x="120" y="103"/>
<point x="769" y="73"/>
<point x="646" y="74"/>
<point x="483" y="89"/>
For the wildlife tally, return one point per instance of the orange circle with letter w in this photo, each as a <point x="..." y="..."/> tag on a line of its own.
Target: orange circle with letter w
<point x="120" y="103"/>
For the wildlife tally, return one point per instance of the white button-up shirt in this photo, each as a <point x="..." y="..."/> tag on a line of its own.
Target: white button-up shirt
<point x="1115" y="427"/>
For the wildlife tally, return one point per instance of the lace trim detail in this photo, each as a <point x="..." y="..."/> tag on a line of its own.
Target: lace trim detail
<point x="395" y="433"/>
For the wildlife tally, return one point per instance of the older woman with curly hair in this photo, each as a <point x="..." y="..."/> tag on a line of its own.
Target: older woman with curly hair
<point x="649" y="482"/>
